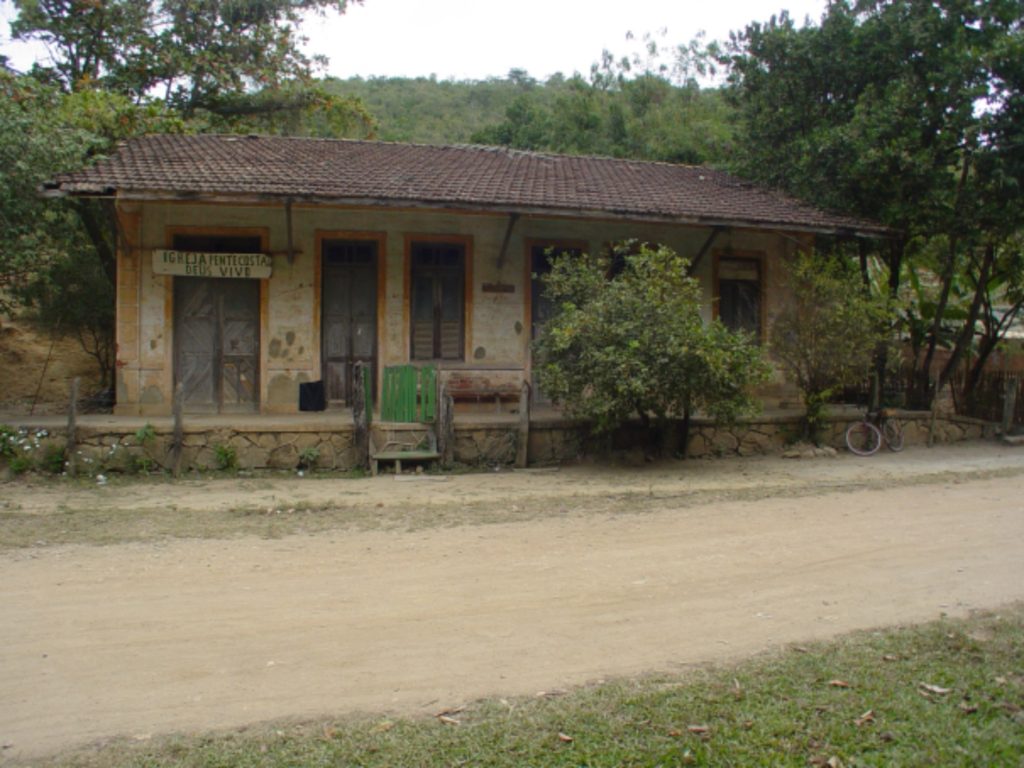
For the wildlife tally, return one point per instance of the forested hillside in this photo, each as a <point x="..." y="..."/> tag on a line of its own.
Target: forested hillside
<point x="426" y="110"/>
<point x="647" y="116"/>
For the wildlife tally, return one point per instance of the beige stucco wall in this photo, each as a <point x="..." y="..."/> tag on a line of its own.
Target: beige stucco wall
<point x="497" y="326"/>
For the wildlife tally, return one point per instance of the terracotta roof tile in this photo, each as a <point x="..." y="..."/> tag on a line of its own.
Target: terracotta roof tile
<point x="449" y="176"/>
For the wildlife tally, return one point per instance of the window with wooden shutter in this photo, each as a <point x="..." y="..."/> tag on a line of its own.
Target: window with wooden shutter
<point x="437" y="283"/>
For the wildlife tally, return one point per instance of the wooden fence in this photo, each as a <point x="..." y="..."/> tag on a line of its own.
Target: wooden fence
<point x="991" y="398"/>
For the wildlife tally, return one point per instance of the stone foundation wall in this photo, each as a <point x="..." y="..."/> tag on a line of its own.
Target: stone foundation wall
<point x="476" y="444"/>
<point x="752" y="438"/>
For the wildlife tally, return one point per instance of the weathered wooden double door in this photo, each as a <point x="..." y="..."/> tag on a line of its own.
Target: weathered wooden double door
<point x="349" y="314"/>
<point x="217" y="332"/>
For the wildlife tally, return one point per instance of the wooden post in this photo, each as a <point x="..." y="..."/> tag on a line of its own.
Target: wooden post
<point x="360" y="417"/>
<point x="446" y="427"/>
<point x="1009" y="403"/>
<point x="178" y="438"/>
<point x="71" y="443"/>
<point x="523" y="444"/>
<point x="934" y="415"/>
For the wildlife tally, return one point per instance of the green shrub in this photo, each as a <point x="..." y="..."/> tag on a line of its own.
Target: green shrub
<point x="308" y="457"/>
<point x="227" y="457"/>
<point x="145" y="434"/>
<point x="143" y="464"/>
<point x="20" y="464"/>
<point x="54" y="459"/>
<point x="8" y="441"/>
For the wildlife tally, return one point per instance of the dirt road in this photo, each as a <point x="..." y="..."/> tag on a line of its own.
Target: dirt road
<point x="688" y="563"/>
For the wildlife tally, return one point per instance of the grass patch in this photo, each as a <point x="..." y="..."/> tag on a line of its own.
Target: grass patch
<point x="948" y="693"/>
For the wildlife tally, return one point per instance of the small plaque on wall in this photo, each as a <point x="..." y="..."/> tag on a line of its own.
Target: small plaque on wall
<point x="200" y="264"/>
<point x="499" y="288"/>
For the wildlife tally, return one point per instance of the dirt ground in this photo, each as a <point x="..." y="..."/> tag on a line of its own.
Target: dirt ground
<point x="36" y="370"/>
<point x="592" y="572"/>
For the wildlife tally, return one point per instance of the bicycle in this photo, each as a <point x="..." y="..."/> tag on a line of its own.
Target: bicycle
<point x="866" y="436"/>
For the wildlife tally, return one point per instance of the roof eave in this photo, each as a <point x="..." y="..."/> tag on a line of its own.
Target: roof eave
<point x="155" y="195"/>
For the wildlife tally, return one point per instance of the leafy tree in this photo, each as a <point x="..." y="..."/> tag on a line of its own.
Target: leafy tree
<point x="904" y="111"/>
<point x="222" y="57"/>
<point x="58" y="256"/>
<point x="634" y="345"/>
<point x="34" y="145"/>
<point x="826" y="335"/>
<point x="110" y="42"/>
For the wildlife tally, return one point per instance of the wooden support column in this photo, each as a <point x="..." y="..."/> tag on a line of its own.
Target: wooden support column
<point x="289" y="229"/>
<point x="1009" y="403"/>
<point x="361" y="416"/>
<point x="71" y="444"/>
<point x="523" y="443"/>
<point x="512" y="219"/>
<point x="446" y="427"/>
<point x="178" y="438"/>
<point x="715" y="232"/>
<point x="128" y="332"/>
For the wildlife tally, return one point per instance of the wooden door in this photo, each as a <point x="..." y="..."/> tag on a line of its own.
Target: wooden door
<point x="217" y="332"/>
<point x="349" y="314"/>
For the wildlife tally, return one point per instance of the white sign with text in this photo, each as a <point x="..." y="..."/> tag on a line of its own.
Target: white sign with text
<point x="200" y="264"/>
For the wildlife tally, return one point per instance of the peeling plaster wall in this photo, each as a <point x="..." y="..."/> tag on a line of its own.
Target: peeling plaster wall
<point x="497" y="323"/>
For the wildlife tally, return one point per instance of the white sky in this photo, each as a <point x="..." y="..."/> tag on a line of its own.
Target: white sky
<point x="476" y="39"/>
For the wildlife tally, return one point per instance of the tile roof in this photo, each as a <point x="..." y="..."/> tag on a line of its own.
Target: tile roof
<point x="470" y="177"/>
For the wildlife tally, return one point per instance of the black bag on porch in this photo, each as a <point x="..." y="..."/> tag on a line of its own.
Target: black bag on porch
<point x="311" y="396"/>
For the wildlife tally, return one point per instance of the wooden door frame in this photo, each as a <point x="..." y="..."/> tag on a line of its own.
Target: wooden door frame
<point x="761" y="258"/>
<point x="381" y="239"/>
<point x="263" y="233"/>
<point x="466" y="241"/>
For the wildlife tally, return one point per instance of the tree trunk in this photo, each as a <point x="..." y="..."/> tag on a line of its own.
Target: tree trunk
<point x="966" y="336"/>
<point x="684" y="435"/>
<point x="923" y="375"/>
<point x="895" y="264"/>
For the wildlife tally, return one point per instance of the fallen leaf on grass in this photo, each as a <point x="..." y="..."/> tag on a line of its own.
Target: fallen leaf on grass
<point x="451" y="711"/>
<point x="890" y="657"/>
<point x="867" y="717"/>
<point x="698" y="729"/>
<point x="564" y="737"/>
<point x="447" y="720"/>
<point x="928" y="688"/>
<point x="967" y="708"/>
<point x="675" y="732"/>
<point x="839" y="683"/>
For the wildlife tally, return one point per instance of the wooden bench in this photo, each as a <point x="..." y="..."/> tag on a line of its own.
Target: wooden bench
<point x="473" y="386"/>
<point x="399" y="456"/>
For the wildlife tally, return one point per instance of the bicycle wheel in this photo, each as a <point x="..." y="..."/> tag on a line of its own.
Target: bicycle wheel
<point x="863" y="438"/>
<point x="892" y="431"/>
